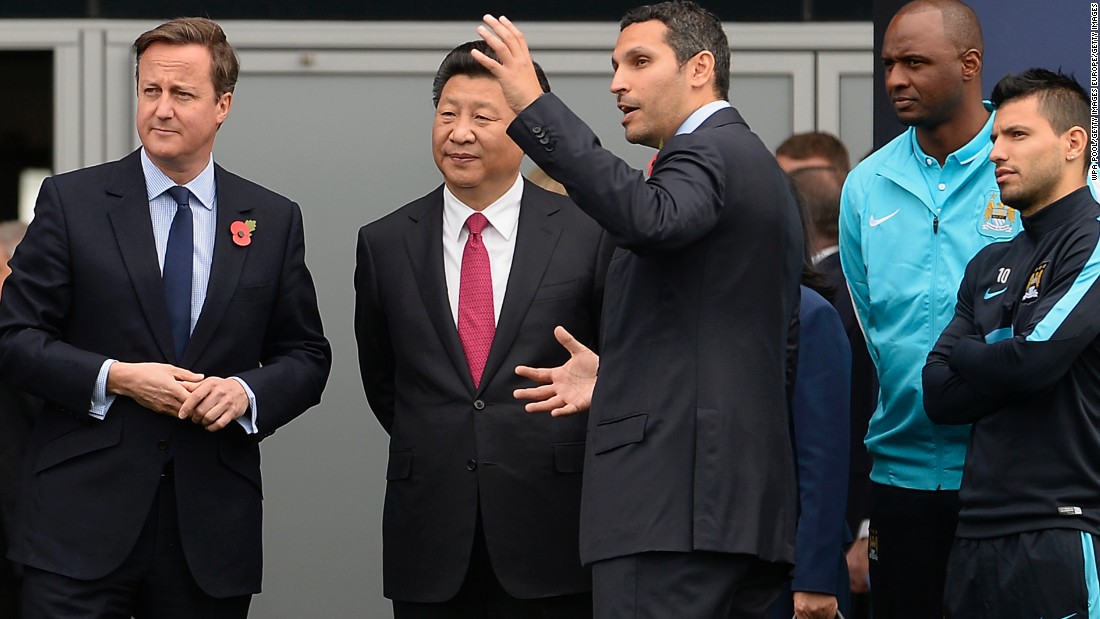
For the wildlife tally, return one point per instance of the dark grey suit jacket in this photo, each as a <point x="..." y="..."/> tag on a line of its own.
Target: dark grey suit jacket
<point x="456" y="450"/>
<point x="688" y="444"/>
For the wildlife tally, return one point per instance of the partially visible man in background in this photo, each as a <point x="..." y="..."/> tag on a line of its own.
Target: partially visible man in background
<point x="819" y="189"/>
<point x="814" y="149"/>
<point x="17" y="414"/>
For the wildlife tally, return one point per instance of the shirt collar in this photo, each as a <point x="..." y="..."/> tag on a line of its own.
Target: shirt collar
<point x="977" y="146"/>
<point x="157" y="182"/>
<point x="503" y="214"/>
<point x="698" y="116"/>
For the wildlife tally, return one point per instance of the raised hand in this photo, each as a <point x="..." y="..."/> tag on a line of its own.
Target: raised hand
<point x="516" y="70"/>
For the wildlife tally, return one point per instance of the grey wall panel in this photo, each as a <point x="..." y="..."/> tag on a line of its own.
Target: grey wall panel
<point x="856" y="126"/>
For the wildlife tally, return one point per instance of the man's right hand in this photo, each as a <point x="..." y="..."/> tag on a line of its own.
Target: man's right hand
<point x="857" y="566"/>
<point x="159" y="387"/>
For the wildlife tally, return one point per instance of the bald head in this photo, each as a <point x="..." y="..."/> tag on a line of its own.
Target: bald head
<point x="960" y="22"/>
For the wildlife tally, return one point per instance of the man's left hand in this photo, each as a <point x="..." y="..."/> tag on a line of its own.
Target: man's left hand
<point x="808" y="605"/>
<point x="516" y="69"/>
<point x="215" y="403"/>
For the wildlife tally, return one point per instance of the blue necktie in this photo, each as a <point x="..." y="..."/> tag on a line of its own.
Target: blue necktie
<point x="177" y="270"/>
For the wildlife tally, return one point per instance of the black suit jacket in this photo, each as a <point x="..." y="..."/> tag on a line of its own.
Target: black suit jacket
<point x="454" y="449"/>
<point x="688" y="444"/>
<point x="85" y="287"/>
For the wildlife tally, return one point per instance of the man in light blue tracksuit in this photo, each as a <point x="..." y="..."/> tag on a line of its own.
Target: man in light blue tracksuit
<point x="912" y="216"/>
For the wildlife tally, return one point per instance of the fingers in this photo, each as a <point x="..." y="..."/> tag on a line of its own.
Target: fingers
<point x="183" y="375"/>
<point x="539" y="375"/>
<point x="537" y="394"/>
<point x="503" y="36"/>
<point x="565" y="411"/>
<point x="570" y="343"/>
<point x="215" y="403"/>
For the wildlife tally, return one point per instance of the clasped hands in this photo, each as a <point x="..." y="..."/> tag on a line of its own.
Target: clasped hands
<point x="169" y="390"/>
<point x="566" y="389"/>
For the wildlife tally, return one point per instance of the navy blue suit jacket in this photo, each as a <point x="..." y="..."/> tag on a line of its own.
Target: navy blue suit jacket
<point x="86" y="286"/>
<point x="819" y="421"/>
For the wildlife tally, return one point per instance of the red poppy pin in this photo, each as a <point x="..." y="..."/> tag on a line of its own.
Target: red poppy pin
<point x="242" y="231"/>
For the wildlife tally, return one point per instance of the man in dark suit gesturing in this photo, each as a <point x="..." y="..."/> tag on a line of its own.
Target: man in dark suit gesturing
<point x="162" y="307"/>
<point x="453" y="290"/>
<point x="688" y="508"/>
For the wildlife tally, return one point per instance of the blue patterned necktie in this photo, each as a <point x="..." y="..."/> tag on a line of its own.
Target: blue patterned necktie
<point x="177" y="270"/>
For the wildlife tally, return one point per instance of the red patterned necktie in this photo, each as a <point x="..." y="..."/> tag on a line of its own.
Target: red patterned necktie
<point x="476" y="322"/>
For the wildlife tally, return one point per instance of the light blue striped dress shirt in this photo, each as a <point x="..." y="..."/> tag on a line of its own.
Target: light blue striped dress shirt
<point x="162" y="209"/>
<point x="692" y="122"/>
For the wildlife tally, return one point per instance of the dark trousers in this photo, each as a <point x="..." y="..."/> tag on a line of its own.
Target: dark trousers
<point x="911" y="536"/>
<point x="153" y="582"/>
<point x="9" y="584"/>
<point x="685" y="585"/>
<point x="483" y="597"/>
<point x="1046" y="573"/>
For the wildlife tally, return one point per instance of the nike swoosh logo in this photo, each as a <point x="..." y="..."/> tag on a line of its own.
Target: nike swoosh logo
<point x="874" y="222"/>
<point x="989" y="295"/>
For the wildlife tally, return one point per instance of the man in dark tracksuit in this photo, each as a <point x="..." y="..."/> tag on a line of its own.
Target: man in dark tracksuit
<point x="1021" y="361"/>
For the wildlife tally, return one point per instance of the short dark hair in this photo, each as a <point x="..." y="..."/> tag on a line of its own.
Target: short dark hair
<point x="1062" y="100"/>
<point x="461" y="62"/>
<point x="225" y="67"/>
<point x="819" y="190"/>
<point x="691" y="29"/>
<point x="817" y="144"/>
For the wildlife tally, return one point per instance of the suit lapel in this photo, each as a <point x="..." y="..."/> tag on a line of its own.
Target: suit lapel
<point x="536" y="236"/>
<point x="226" y="263"/>
<point x="129" y="215"/>
<point x="424" y="244"/>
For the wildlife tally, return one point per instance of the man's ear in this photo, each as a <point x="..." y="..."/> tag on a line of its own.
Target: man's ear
<point x="1075" y="141"/>
<point x="700" y="68"/>
<point x="971" y="65"/>
<point x="224" y="103"/>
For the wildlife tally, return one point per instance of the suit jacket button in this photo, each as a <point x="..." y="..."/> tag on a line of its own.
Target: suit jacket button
<point x="544" y="140"/>
<point x="162" y="445"/>
<point x="479" y="405"/>
<point x="537" y="130"/>
<point x="471" y="465"/>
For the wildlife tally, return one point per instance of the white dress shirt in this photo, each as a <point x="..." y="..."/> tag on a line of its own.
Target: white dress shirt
<point x="499" y="238"/>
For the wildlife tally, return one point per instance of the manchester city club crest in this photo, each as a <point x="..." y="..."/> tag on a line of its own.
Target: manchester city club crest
<point x="1034" y="284"/>
<point x="998" y="217"/>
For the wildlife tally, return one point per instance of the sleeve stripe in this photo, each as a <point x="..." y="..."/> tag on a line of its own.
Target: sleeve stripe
<point x="998" y="334"/>
<point x="1061" y="310"/>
